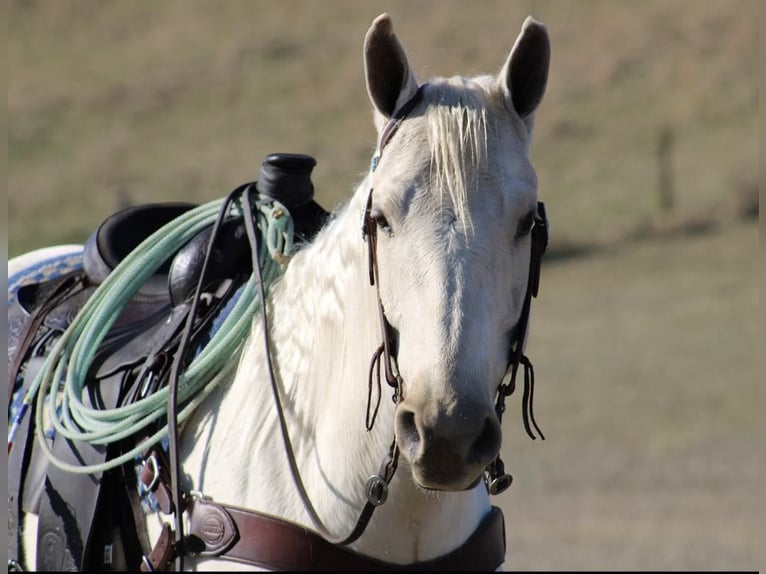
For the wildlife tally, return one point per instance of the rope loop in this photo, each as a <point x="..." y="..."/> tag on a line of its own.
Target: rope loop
<point x="60" y="386"/>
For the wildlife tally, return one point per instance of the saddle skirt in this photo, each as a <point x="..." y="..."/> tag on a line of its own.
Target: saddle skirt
<point x="133" y="361"/>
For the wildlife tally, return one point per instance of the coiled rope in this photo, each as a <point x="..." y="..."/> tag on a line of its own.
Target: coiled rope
<point x="61" y="381"/>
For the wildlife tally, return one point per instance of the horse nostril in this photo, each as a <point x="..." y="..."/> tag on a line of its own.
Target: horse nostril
<point x="406" y="427"/>
<point x="487" y="444"/>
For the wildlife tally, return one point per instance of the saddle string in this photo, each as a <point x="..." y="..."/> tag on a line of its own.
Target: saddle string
<point x="369" y="419"/>
<point x="528" y="414"/>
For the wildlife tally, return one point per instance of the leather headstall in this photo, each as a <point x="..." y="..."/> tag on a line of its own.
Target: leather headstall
<point x="369" y="232"/>
<point x="495" y="477"/>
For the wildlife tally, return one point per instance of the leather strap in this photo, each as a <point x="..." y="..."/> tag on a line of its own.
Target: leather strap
<point x="257" y="539"/>
<point x="369" y="232"/>
<point x="161" y="555"/>
<point x="155" y="477"/>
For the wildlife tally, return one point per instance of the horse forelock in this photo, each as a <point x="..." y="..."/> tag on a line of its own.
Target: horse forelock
<point x="456" y="120"/>
<point x="465" y="125"/>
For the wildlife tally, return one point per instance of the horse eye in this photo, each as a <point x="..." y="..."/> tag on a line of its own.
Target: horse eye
<point x="382" y="223"/>
<point x="525" y="226"/>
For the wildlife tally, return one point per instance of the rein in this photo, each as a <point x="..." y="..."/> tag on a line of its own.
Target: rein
<point x="377" y="485"/>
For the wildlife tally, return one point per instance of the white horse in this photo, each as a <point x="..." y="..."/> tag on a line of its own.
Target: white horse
<point x="452" y="199"/>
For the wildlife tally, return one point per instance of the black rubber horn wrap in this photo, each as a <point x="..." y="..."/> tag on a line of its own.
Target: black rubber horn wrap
<point x="286" y="177"/>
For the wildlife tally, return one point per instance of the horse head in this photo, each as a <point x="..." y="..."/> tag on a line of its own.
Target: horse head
<point x="453" y="199"/>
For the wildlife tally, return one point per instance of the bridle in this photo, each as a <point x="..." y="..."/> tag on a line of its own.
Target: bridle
<point x="376" y="488"/>
<point x="384" y="352"/>
<point x="496" y="478"/>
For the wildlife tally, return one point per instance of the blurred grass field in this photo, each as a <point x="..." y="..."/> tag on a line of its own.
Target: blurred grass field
<point x="650" y="393"/>
<point x="645" y="345"/>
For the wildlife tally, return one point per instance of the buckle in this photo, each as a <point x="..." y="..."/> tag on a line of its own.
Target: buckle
<point x="376" y="490"/>
<point x="154" y="468"/>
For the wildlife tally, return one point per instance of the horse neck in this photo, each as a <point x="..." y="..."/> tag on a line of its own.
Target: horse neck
<point x="324" y="327"/>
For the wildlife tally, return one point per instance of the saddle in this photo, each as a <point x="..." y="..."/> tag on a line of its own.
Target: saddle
<point x="95" y="521"/>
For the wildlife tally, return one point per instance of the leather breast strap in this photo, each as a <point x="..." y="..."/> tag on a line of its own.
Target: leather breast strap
<point x="258" y="539"/>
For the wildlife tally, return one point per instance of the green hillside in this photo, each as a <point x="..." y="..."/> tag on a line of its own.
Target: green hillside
<point x="123" y="102"/>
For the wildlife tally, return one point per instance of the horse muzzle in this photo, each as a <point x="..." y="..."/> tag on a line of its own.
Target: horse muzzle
<point x="448" y="451"/>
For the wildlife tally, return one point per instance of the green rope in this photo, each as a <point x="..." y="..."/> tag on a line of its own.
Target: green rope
<point x="61" y="381"/>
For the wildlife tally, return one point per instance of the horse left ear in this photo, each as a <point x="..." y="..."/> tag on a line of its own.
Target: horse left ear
<point x="524" y="76"/>
<point x="390" y="81"/>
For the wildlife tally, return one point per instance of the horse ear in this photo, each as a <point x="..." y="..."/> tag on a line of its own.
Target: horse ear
<point x="524" y="76"/>
<point x="390" y="81"/>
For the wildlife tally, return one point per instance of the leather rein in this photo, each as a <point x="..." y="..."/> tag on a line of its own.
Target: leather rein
<point x="255" y="538"/>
